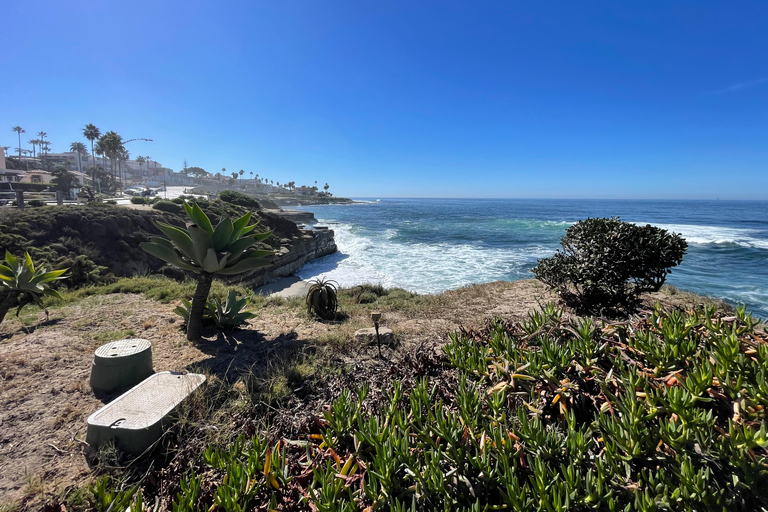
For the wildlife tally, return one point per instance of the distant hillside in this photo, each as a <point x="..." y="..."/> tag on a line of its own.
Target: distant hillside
<point x="98" y="242"/>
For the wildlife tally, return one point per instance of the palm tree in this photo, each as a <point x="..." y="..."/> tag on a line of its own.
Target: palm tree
<point x="251" y="174"/>
<point x="140" y="160"/>
<point x="19" y="130"/>
<point x="122" y="156"/>
<point x="44" y="145"/>
<point x="241" y="172"/>
<point x="81" y="150"/>
<point x="34" y="143"/>
<point x="111" y="143"/>
<point x="92" y="133"/>
<point x="326" y="187"/>
<point x="99" y="150"/>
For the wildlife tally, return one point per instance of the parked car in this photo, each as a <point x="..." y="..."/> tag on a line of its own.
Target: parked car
<point x="7" y="194"/>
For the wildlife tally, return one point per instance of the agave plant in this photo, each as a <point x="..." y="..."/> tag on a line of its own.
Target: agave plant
<point x="22" y="283"/>
<point x="227" y="249"/>
<point x="230" y="314"/>
<point x="321" y="298"/>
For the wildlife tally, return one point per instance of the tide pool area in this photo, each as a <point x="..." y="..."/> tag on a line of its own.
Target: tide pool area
<point x="431" y="245"/>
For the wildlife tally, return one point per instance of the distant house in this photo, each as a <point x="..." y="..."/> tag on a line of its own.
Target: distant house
<point x="45" y="177"/>
<point x="36" y="176"/>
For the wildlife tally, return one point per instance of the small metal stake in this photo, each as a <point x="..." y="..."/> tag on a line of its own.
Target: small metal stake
<point x="376" y="316"/>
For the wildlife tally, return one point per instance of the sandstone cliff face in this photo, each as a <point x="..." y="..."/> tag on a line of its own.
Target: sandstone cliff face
<point x="294" y="253"/>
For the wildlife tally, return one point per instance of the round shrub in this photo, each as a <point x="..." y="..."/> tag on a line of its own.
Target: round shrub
<point x="167" y="206"/>
<point x="605" y="264"/>
<point x="138" y="200"/>
<point x="36" y="203"/>
<point x="110" y="201"/>
<point x="238" y="198"/>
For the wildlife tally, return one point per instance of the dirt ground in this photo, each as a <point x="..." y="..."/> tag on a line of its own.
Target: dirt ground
<point x="45" y="397"/>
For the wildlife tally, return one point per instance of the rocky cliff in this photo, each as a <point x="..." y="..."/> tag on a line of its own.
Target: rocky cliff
<point x="292" y="255"/>
<point x="100" y="242"/>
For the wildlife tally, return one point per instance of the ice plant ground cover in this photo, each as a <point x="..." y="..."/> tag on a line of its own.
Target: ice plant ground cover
<point x="665" y="411"/>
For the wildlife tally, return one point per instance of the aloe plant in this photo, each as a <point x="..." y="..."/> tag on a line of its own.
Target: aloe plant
<point x="23" y="283"/>
<point x="321" y="298"/>
<point x="227" y="249"/>
<point x="230" y="314"/>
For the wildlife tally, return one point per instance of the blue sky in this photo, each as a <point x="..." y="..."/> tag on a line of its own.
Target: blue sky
<point x="410" y="99"/>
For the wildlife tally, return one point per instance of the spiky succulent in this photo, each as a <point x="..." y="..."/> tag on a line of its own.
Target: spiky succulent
<point x="24" y="283"/>
<point x="321" y="298"/>
<point x="230" y="314"/>
<point x="226" y="249"/>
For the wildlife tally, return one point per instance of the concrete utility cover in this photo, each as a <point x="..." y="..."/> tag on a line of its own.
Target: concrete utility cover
<point x="121" y="364"/>
<point x="136" y="418"/>
<point x="386" y="335"/>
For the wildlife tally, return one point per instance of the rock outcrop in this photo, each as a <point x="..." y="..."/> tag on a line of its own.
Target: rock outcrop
<point x="293" y="254"/>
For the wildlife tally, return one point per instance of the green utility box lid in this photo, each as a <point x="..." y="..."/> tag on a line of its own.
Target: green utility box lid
<point x="121" y="364"/>
<point x="136" y="419"/>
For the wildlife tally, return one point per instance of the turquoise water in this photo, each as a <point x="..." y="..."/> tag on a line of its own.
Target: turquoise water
<point x="431" y="245"/>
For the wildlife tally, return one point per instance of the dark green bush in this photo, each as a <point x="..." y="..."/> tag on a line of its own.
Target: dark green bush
<point x="605" y="264"/>
<point x="238" y="198"/>
<point x="110" y="201"/>
<point x="36" y="203"/>
<point x="166" y="206"/>
<point x="138" y="200"/>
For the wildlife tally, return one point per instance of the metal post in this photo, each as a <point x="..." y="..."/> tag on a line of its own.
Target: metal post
<point x="20" y="199"/>
<point x="378" y="342"/>
<point x="59" y="198"/>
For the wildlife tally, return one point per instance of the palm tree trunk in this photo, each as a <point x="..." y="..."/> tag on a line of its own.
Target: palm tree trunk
<point x="93" y="173"/>
<point x="6" y="304"/>
<point x="195" y="325"/>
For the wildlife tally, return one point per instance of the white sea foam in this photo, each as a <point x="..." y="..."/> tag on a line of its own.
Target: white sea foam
<point x="419" y="267"/>
<point x="717" y="235"/>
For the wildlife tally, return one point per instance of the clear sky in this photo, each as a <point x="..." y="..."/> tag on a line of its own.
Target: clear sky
<point x="588" y="99"/>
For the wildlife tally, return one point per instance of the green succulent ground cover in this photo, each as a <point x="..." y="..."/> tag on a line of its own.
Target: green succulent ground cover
<point x="664" y="412"/>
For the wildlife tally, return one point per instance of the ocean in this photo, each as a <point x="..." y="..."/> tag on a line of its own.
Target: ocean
<point x="432" y="245"/>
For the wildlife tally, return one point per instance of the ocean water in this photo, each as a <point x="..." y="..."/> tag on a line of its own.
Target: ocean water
<point x="431" y="245"/>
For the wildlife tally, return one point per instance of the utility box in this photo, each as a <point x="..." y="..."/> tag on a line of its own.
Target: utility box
<point x="136" y="419"/>
<point x="121" y="364"/>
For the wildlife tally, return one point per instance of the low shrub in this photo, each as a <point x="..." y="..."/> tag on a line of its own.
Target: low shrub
<point x="110" y="201"/>
<point x="605" y="264"/>
<point x="231" y="196"/>
<point x="36" y="203"/>
<point x="167" y="206"/>
<point x="138" y="200"/>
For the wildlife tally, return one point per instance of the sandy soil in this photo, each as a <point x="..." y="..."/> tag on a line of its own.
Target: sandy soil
<point x="45" y="397"/>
